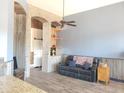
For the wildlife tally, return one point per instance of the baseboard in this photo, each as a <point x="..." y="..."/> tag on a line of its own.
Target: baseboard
<point x="117" y="80"/>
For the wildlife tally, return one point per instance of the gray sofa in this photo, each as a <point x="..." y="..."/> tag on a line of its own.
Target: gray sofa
<point x="79" y="70"/>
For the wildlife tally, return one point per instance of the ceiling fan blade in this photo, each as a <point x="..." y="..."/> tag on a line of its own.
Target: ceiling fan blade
<point x="66" y="22"/>
<point x="55" y="24"/>
<point x="71" y="24"/>
<point x="62" y="21"/>
<point x="70" y="21"/>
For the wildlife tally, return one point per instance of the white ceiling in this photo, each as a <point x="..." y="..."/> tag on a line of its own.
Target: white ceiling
<point x="71" y="6"/>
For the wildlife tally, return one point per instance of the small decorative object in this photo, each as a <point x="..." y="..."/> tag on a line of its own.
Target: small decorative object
<point x="53" y="50"/>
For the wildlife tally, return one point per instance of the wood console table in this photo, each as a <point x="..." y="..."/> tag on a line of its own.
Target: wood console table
<point x="103" y="74"/>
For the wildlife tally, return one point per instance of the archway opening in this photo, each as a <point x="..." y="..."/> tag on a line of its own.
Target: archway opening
<point x="19" y="39"/>
<point x="37" y="42"/>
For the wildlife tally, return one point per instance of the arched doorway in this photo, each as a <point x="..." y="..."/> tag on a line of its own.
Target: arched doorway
<point x="19" y="38"/>
<point x="38" y="51"/>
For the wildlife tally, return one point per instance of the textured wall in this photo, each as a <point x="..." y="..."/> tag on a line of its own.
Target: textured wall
<point x="99" y="32"/>
<point x="19" y="39"/>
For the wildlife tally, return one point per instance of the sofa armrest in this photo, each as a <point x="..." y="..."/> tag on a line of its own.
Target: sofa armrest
<point x="62" y="64"/>
<point x="94" y="67"/>
<point x="93" y="75"/>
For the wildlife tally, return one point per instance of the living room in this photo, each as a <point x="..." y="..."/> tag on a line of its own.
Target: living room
<point x="63" y="46"/>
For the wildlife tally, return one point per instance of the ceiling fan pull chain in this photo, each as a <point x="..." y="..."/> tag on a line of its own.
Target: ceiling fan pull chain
<point x="63" y="8"/>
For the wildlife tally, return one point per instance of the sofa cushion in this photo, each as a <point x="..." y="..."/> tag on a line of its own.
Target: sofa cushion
<point x="68" y="73"/>
<point x="70" y="58"/>
<point x="68" y="68"/>
<point x="84" y="77"/>
<point x="84" y="72"/>
<point x="78" y="65"/>
<point x="71" y="63"/>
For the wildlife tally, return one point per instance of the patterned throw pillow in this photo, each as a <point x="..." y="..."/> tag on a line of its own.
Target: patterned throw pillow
<point x="86" y="66"/>
<point x="82" y="60"/>
<point x="71" y="64"/>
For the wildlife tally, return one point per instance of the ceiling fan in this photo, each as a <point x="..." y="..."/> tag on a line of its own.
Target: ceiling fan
<point x="63" y="22"/>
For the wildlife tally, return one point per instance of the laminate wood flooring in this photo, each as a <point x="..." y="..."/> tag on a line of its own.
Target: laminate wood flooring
<point x="56" y="83"/>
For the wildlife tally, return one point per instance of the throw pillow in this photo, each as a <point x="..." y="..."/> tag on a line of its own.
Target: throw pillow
<point x="70" y="58"/>
<point x="71" y="64"/>
<point x="86" y="66"/>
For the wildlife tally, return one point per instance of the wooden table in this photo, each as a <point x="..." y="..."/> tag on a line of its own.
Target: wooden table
<point x="10" y="84"/>
<point x="103" y="74"/>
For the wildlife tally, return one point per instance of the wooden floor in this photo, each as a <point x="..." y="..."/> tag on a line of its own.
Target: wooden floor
<point x="55" y="83"/>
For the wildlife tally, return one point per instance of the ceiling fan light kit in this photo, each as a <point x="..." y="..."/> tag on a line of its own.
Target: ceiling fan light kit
<point x="62" y="23"/>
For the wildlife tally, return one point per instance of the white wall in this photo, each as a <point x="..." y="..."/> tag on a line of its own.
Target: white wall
<point x="6" y="31"/>
<point x="36" y="44"/>
<point x="10" y="30"/>
<point x="3" y="28"/>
